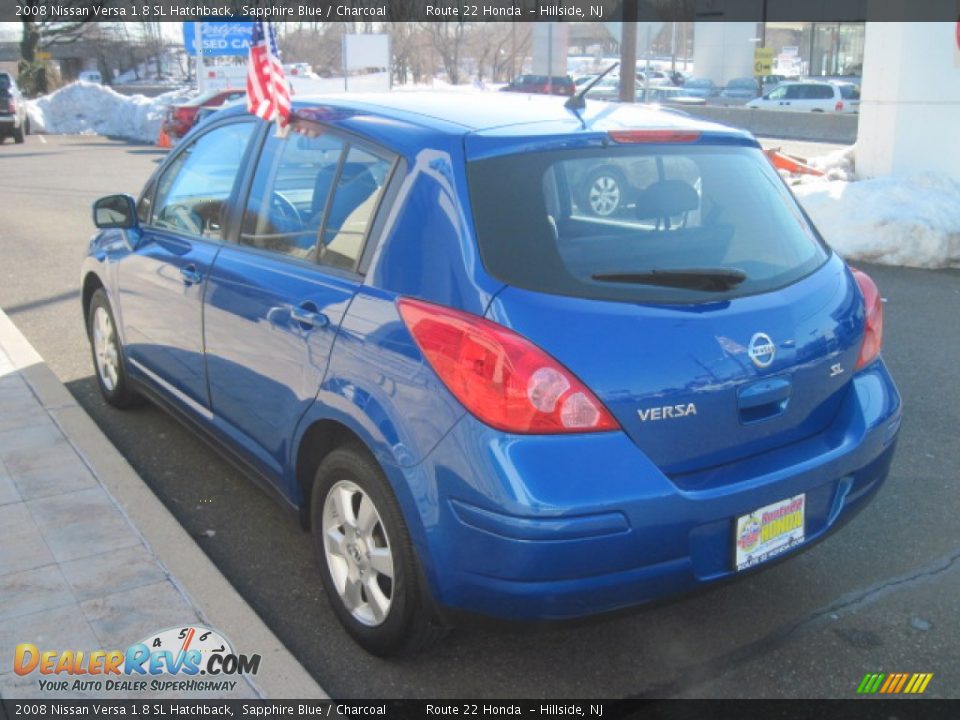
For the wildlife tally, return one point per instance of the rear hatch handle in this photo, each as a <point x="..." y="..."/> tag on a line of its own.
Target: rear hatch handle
<point x="763" y="399"/>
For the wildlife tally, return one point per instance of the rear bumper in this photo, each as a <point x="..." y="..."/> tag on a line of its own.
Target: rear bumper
<point x="529" y="527"/>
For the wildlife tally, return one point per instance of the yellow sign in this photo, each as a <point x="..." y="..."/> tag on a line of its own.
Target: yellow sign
<point x="43" y="55"/>
<point x="762" y="61"/>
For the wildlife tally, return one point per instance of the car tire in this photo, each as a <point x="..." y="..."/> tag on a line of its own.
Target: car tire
<point x="26" y="126"/>
<point x="603" y="191"/>
<point x="18" y="135"/>
<point x="107" y="352"/>
<point x="354" y="518"/>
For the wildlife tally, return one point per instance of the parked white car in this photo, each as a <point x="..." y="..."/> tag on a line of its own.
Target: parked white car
<point x="810" y="96"/>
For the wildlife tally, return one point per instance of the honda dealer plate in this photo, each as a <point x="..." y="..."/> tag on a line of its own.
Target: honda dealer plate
<point x="769" y="531"/>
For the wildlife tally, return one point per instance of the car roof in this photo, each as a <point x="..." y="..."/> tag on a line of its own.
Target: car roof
<point x="399" y="120"/>
<point x="479" y="112"/>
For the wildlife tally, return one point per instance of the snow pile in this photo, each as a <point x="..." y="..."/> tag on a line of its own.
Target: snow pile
<point x="913" y="221"/>
<point x="837" y="165"/>
<point x="83" y="108"/>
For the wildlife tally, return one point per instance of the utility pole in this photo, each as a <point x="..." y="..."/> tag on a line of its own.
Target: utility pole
<point x="628" y="52"/>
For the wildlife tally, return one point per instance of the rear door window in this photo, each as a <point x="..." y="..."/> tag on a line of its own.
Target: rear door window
<point x="607" y="224"/>
<point x="355" y="200"/>
<point x="289" y="195"/>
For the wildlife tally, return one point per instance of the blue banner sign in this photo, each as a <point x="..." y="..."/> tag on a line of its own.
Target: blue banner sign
<point x="219" y="38"/>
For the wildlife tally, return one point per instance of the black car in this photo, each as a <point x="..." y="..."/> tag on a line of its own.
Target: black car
<point x="13" y="110"/>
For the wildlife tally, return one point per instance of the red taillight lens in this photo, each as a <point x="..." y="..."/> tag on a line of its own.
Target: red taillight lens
<point x="873" y="306"/>
<point x="653" y="136"/>
<point x="505" y="380"/>
<point x="839" y="106"/>
<point x="12" y="106"/>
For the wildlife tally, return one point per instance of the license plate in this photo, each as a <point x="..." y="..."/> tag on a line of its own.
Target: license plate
<point x="769" y="531"/>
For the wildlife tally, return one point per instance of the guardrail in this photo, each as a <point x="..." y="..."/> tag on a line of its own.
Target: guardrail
<point x="825" y="127"/>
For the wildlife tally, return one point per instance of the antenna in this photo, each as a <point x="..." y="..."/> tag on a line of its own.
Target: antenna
<point x="576" y="102"/>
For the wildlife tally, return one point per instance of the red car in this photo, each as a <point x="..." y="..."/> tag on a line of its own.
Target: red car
<point x="180" y="118"/>
<point x="541" y="85"/>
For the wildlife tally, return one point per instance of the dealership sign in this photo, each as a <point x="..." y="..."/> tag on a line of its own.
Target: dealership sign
<point x="219" y="38"/>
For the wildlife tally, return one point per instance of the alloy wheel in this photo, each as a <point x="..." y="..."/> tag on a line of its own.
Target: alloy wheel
<point x="604" y="195"/>
<point x="358" y="553"/>
<point x="105" y="349"/>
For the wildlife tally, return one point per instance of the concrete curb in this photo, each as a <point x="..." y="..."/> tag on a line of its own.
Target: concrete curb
<point x="280" y="675"/>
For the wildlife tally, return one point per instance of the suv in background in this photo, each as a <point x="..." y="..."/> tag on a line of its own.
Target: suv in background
<point x="541" y="85"/>
<point x="810" y="96"/>
<point x="13" y="110"/>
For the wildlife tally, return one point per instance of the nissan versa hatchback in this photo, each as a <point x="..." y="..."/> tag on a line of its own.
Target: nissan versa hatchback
<point x="406" y="321"/>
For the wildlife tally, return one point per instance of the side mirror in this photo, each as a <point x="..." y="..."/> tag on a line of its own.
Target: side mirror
<point x="115" y="211"/>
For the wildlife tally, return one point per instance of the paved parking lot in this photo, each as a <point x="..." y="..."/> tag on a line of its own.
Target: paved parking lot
<point x="878" y="597"/>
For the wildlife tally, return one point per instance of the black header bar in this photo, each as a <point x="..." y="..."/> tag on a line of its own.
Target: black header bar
<point x="480" y="10"/>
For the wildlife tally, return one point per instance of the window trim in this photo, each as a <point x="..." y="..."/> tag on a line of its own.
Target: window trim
<point x="154" y="182"/>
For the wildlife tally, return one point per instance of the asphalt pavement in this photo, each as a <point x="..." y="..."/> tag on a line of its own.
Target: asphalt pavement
<point x="880" y="596"/>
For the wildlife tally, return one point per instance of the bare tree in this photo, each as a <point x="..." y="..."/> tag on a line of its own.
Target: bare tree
<point x="448" y="42"/>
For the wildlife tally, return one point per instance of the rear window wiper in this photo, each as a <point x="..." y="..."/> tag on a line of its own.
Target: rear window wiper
<point x="706" y="279"/>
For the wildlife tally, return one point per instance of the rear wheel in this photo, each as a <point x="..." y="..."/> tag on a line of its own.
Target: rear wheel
<point x="367" y="561"/>
<point x="107" y="353"/>
<point x="18" y="135"/>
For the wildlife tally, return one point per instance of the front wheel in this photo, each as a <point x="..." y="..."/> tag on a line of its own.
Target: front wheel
<point x="107" y="354"/>
<point x="367" y="561"/>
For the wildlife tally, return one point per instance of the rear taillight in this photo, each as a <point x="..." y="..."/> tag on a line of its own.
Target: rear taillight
<point x="503" y="379"/>
<point x="873" y="308"/>
<point x="12" y="106"/>
<point x="839" y="106"/>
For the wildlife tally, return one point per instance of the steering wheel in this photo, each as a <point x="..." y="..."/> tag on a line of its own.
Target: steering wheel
<point x="285" y="211"/>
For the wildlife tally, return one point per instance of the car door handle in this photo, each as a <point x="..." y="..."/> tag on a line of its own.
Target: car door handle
<point x="308" y="316"/>
<point x="190" y="275"/>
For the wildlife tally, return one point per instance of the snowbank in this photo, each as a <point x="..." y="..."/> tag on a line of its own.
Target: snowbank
<point x="913" y="221"/>
<point x="83" y="108"/>
<point x="837" y="165"/>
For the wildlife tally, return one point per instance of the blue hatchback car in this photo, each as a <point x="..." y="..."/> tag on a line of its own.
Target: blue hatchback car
<point x="500" y="355"/>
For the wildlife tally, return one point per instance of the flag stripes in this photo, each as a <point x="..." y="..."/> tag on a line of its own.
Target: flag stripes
<point x="268" y="96"/>
<point x="894" y="683"/>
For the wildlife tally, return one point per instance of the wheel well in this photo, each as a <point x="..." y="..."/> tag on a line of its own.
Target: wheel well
<point x="320" y="439"/>
<point x="91" y="283"/>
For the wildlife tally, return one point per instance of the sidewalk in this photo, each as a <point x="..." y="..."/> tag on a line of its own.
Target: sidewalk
<point x="89" y="557"/>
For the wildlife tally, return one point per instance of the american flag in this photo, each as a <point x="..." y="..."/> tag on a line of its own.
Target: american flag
<point x="268" y="96"/>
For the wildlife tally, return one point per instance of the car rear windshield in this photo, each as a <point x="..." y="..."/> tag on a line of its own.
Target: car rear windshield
<point x="658" y="223"/>
<point x="849" y="92"/>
